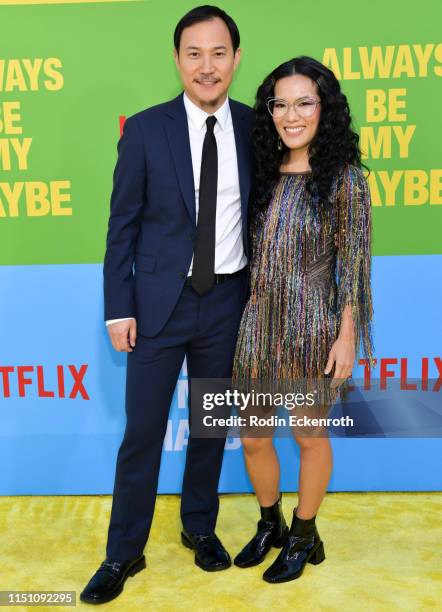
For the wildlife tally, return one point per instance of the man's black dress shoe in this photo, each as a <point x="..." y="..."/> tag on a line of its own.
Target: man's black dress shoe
<point x="108" y="582"/>
<point x="272" y="531"/>
<point x="303" y="546"/>
<point x="210" y="554"/>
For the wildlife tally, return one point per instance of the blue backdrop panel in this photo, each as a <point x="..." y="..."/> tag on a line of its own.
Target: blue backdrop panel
<point x="51" y="443"/>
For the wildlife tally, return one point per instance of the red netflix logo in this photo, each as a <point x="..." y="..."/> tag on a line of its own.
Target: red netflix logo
<point x="69" y="381"/>
<point x="392" y="367"/>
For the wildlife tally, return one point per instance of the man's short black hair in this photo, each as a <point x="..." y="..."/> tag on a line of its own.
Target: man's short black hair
<point x="206" y="13"/>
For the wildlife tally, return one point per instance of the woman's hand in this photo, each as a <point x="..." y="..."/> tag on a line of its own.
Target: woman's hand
<point x="342" y="354"/>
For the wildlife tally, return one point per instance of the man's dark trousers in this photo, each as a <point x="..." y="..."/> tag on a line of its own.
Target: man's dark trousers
<point x="204" y="329"/>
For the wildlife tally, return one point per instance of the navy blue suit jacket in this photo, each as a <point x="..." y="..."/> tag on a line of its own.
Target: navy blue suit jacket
<point x="152" y="224"/>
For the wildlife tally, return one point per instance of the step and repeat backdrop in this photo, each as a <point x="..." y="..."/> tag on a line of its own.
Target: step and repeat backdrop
<point x="69" y="75"/>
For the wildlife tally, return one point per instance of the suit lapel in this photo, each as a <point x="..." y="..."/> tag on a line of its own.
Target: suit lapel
<point x="178" y="136"/>
<point x="242" y="142"/>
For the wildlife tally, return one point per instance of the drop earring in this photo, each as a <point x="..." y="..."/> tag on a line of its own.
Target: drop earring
<point x="279" y="144"/>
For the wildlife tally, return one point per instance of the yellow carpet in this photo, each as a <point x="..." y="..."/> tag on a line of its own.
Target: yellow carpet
<point x="383" y="552"/>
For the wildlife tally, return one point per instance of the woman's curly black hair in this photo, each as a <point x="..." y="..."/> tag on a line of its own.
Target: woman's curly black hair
<point x="334" y="145"/>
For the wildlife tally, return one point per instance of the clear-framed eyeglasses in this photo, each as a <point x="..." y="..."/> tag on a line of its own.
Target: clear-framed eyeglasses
<point x="304" y="107"/>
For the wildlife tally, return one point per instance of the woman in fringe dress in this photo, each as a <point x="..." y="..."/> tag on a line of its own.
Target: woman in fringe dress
<point x="310" y="306"/>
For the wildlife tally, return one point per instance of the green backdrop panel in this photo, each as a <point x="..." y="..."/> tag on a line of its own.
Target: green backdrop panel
<point x="114" y="59"/>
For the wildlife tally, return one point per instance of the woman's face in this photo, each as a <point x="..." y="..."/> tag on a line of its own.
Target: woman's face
<point x="296" y="129"/>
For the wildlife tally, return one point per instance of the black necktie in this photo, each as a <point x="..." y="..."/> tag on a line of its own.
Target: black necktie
<point x="204" y="255"/>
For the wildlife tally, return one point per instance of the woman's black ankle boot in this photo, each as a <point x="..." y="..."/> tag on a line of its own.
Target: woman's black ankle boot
<point x="303" y="545"/>
<point x="272" y="531"/>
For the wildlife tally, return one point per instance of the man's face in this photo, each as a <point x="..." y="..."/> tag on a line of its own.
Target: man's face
<point x="206" y="63"/>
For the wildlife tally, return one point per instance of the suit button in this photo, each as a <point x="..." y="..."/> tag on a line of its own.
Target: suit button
<point x="183" y="274"/>
<point x="191" y="237"/>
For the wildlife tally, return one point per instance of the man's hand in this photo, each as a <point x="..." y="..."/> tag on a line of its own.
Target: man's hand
<point x="123" y="335"/>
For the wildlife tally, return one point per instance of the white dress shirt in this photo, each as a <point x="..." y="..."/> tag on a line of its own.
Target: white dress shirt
<point x="229" y="248"/>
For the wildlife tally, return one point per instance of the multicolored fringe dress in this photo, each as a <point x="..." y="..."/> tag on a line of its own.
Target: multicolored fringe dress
<point x="307" y="264"/>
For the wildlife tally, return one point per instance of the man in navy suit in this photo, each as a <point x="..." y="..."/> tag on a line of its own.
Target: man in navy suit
<point x="175" y="285"/>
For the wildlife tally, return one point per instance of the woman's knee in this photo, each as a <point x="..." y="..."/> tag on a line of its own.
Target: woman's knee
<point x="312" y="442"/>
<point x="253" y="446"/>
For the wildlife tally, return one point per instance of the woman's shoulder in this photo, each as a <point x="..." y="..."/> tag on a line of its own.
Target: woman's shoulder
<point x="350" y="179"/>
<point x="354" y="174"/>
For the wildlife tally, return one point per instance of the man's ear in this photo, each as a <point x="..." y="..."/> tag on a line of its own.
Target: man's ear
<point x="236" y="58"/>
<point x="176" y="58"/>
